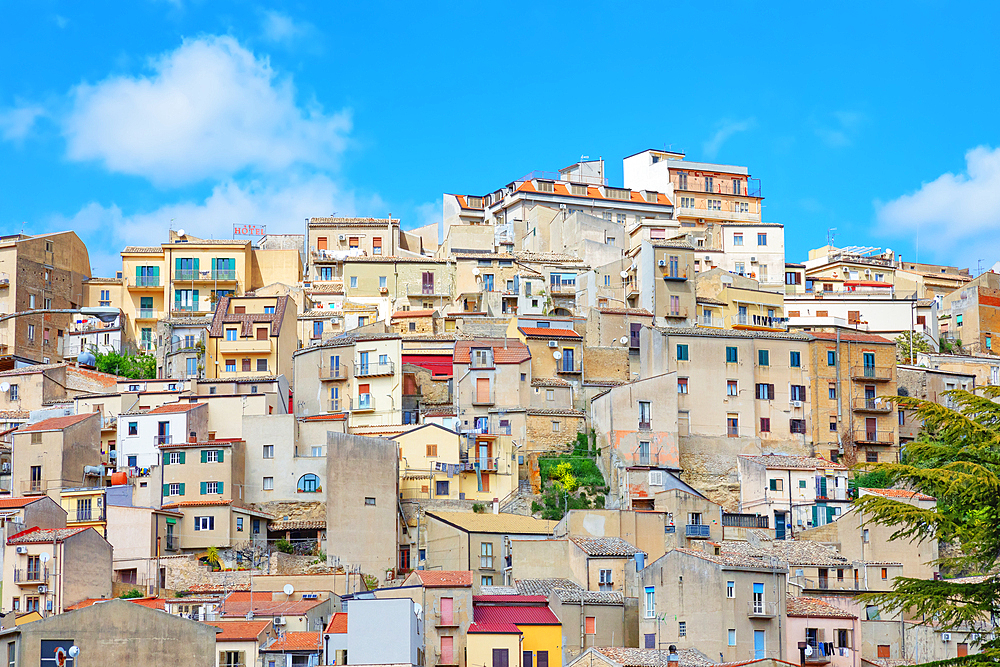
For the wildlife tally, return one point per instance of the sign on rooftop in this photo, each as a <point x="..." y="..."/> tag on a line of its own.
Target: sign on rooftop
<point x="249" y="230"/>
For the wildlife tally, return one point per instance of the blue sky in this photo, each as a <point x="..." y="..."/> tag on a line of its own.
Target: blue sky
<point x="878" y="119"/>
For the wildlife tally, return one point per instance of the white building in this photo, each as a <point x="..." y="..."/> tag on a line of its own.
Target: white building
<point x="141" y="433"/>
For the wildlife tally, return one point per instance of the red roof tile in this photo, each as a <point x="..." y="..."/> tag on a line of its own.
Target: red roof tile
<point x="296" y="641"/>
<point x="542" y="332"/>
<point x="338" y="624"/>
<point x="149" y="602"/>
<point x="56" y="423"/>
<point x="236" y="631"/>
<point x="524" y="599"/>
<point x="905" y="494"/>
<point x="445" y="578"/>
<point x="813" y="607"/>
<point x="505" y="351"/>
<point x="11" y="503"/>
<point x="169" y="408"/>
<point x="851" y="337"/>
<point x="515" y="615"/>
<point x="413" y="313"/>
<point x="197" y="503"/>
<point x="36" y="535"/>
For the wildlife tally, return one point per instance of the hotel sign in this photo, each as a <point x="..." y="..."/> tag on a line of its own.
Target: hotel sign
<point x="249" y="230"/>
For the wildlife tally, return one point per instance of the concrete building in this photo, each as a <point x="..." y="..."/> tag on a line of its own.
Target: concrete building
<point x="927" y="384"/>
<point x="113" y="632"/>
<point x="589" y="618"/>
<point x="181" y="346"/>
<point x="380" y="631"/>
<point x="597" y="563"/>
<point x="140" y="434"/>
<point x="722" y="604"/>
<point x="739" y="301"/>
<point x="971" y="315"/>
<point x="514" y="623"/>
<point x="446" y="598"/>
<point x="89" y="334"/>
<point x="797" y="492"/>
<point x="42" y="272"/>
<point x="251" y="336"/>
<point x="48" y="570"/>
<point x="239" y="642"/>
<point x="203" y="470"/>
<point x="832" y="634"/>
<point x="57" y="453"/>
<point x="285" y="459"/>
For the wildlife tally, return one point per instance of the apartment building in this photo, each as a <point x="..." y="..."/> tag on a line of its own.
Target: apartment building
<point x="797" y="492"/>
<point x="871" y="310"/>
<point x="658" y="276"/>
<point x="832" y="269"/>
<point x="48" y="570"/>
<point x="123" y="397"/>
<point x="852" y="375"/>
<point x="970" y="316"/>
<point x="286" y="458"/>
<point x="556" y="347"/>
<point x="139" y="533"/>
<point x="140" y="434"/>
<point x="86" y="507"/>
<point x="447" y="599"/>
<point x="834" y="635"/>
<point x="251" y="336"/>
<point x="181" y="346"/>
<point x="41" y="272"/>
<point x="599" y="563"/>
<point x="388" y="283"/>
<point x="927" y="384"/>
<point x="332" y="240"/>
<point x="57" y="453"/>
<point x="929" y="281"/>
<point x="737" y="302"/>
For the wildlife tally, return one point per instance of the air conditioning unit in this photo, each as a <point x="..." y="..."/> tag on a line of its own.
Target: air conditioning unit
<point x="662" y="262"/>
<point x="796" y="404"/>
<point x="753" y="260"/>
<point x="22" y="550"/>
<point x="343" y="237"/>
<point x="562" y="206"/>
<point x="279" y="620"/>
<point x="946" y="636"/>
<point x="708" y="258"/>
<point x="43" y="589"/>
<point x="553" y="343"/>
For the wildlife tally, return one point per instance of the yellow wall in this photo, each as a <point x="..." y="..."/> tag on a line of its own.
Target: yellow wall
<point x="276" y="349"/>
<point x="479" y="649"/>
<point x="543" y="638"/>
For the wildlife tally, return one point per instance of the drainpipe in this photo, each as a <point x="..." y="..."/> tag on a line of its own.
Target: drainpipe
<point x="840" y="400"/>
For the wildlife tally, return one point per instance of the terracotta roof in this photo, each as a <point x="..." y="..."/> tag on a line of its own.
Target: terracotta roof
<point x="11" y="503"/>
<point x="148" y="602"/>
<point x="729" y="559"/>
<point x="542" y="332"/>
<point x="550" y="382"/>
<point x="236" y="606"/>
<point x="605" y="546"/>
<point x="220" y="442"/>
<point x="812" y="607"/>
<point x="851" y="337"/>
<point x="440" y="412"/>
<point x="494" y="629"/>
<point x="497" y="590"/>
<point x="39" y="536"/>
<point x="445" y="578"/>
<point x="171" y="408"/>
<point x="428" y="312"/>
<point x="246" y="321"/>
<point x="556" y="412"/>
<point x="56" y="423"/>
<point x="679" y="245"/>
<point x="625" y="311"/>
<point x="296" y="641"/>
<point x="353" y="222"/>
<point x="710" y="301"/>
<point x="142" y="249"/>
<point x="788" y="552"/>
<point x="29" y="370"/>
<point x="797" y="462"/>
<point x="496" y="523"/>
<point x="905" y="494"/>
<point x="236" y="631"/>
<point x="515" y="614"/>
<point x="338" y="624"/>
<point x="651" y="657"/>
<point x="561" y="189"/>
<point x="296" y="525"/>
<point x="505" y="351"/>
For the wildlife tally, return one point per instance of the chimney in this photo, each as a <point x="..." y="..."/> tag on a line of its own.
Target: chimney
<point x="672" y="659"/>
<point x="193" y="437"/>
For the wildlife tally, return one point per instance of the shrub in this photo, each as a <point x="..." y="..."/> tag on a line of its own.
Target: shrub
<point x="284" y="546"/>
<point x="478" y="508"/>
<point x="134" y="593"/>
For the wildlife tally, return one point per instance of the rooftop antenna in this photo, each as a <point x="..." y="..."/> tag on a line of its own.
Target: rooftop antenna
<point x="830" y="235"/>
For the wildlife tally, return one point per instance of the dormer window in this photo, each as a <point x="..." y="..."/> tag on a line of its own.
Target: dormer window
<point x="617" y="193"/>
<point x="546" y="186"/>
<point x="482" y="357"/>
<point x="578" y="190"/>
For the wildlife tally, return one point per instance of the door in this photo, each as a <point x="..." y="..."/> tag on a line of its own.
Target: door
<point x="447" y="611"/>
<point x="567" y="359"/>
<point x="634" y="329"/>
<point x="779" y="525"/>
<point x="484" y="453"/>
<point x="870" y="428"/>
<point x="363" y="363"/>
<point x="482" y="390"/>
<point x="447" y="648"/>
<point x="824" y="577"/>
<point x="427" y="283"/>
<point x="869" y="358"/>
<point x="163" y="433"/>
<point x="500" y="657"/>
<point x="759" y="649"/>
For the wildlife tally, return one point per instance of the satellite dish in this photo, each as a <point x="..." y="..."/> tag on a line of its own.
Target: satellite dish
<point x="475" y="271"/>
<point x="74" y="651"/>
<point x="623" y="340"/>
<point x="624" y="274"/>
<point x="557" y="355"/>
<point x="44" y="557"/>
<point x="289" y="589"/>
<point x="4" y="386"/>
<point x="417" y="609"/>
<point x="180" y="232"/>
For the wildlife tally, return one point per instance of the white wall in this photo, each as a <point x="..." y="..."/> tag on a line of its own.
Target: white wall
<point x="143" y="445"/>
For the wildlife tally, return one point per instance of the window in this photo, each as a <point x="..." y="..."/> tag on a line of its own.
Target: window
<point x="650" y="601"/>
<point x="132" y="461"/>
<point x="590" y="625"/>
<point x="682" y="628"/>
<point x="871" y="456"/>
<point x="682" y="385"/>
<point x="798" y="392"/>
<point x="833" y="423"/>
<point x="730" y="589"/>
<point x="795" y="359"/>
<point x="13" y="393"/>
<point x="309" y="483"/>
<point x="958" y="320"/>
<point x="432" y="451"/>
<point x="556" y="426"/>
<point x="763" y="358"/>
<point x="765" y="424"/>
<point x="31" y="603"/>
<point x="239" y="524"/>
<point x="885" y="573"/>
<point x="761" y="238"/>
<point x="354" y="281"/>
<point x="204" y="523"/>
<point x="441" y="487"/>
<point x="550" y="394"/>
<point x="31" y="332"/>
<point x="370" y="501"/>
<point x="682" y="353"/>
<point x="210" y="488"/>
<point x="413" y="326"/>
<point x="731" y="355"/>
<point x="732" y="388"/>
<point x="47" y="303"/>
<point x="230" y="365"/>
<point x="733" y="426"/>
<point x="831" y="358"/>
<point x="11" y="654"/>
<point x="765" y="392"/>
<point x="268" y="484"/>
<point x="230" y="334"/>
<point x="832" y="391"/>
<point x="268" y="451"/>
<point x="797" y="425"/>
<point x="133" y="428"/>
<point x="738" y="239"/>
<point x="644" y="414"/>
<point x="902" y="418"/>
<point x="606" y="584"/>
<point x="650" y="639"/>
<point x="211" y="456"/>
<point x="643" y="453"/>
<point x="486" y="555"/>
<point x="262" y="365"/>
<point x="776" y="484"/>
<point x="175" y="458"/>
<point x="31" y="301"/>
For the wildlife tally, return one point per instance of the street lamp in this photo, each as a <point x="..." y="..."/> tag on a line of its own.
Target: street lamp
<point x="106" y="315"/>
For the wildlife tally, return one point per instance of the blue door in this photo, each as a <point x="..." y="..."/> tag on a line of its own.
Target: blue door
<point x="758" y="644"/>
<point x="363" y="363"/>
<point x="779" y="525"/>
<point x="567" y="359"/>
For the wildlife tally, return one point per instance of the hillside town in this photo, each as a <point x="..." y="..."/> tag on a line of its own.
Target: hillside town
<point x="570" y="422"/>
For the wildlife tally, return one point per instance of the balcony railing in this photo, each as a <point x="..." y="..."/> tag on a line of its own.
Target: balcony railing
<point x="93" y="514"/>
<point x="186" y="274"/>
<point x="677" y="312"/>
<point x="341" y="372"/>
<point x="733" y="520"/>
<point x="871" y="405"/>
<point x="569" y="367"/>
<point x="171" y="543"/>
<point x="759" y="321"/>
<point x="365" y="402"/>
<point x="146" y="314"/>
<point x="163" y="439"/>
<point x="216" y="275"/>
<point x="33" y="487"/>
<point x="760" y="609"/>
<point x="369" y="369"/>
<point x="31" y="575"/>
<point x="144" y="281"/>
<point x="224" y="274"/>
<point x="340" y="404"/>
<point x="711" y="321"/>
<point x="697" y="531"/>
<point x="562" y="289"/>
<point x="873" y="373"/>
<point x="645" y="425"/>
<point x="865" y="437"/>
<point x="489" y="398"/>
<point x="720" y="186"/>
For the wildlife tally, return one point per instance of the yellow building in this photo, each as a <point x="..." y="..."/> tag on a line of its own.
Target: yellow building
<point x="251" y="336"/>
<point x="514" y="622"/>
<point x="729" y="301"/>
<point x="85" y="508"/>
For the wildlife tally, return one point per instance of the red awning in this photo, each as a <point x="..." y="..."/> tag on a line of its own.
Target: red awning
<point x="437" y="364"/>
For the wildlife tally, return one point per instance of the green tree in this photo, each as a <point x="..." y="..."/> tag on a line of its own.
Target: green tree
<point x="956" y="459"/>
<point x="909" y="344"/>
<point x="135" y="366"/>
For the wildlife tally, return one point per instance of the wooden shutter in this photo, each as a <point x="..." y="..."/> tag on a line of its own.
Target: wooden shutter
<point x="883" y="650"/>
<point x="182" y="489"/>
<point x="204" y="486"/>
<point x="447" y="643"/>
<point x="222" y="456"/>
<point x="482" y="390"/>
<point x="591" y="625"/>
<point x="166" y="490"/>
<point x="321" y="243"/>
<point x="261" y="333"/>
<point x="447" y="609"/>
<point x="182" y="457"/>
<point x="239" y="310"/>
<point x="499" y="657"/>
<point x="219" y="488"/>
<point x="204" y="456"/>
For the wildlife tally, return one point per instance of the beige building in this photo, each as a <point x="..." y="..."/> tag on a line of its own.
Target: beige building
<point x="590" y="618"/>
<point x="744" y="306"/>
<point x="927" y="384"/>
<point x="56" y="453"/>
<point x="597" y="563"/>
<point x="556" y="348"/>
<point x="42" y="272"/>
<point x="48" y="570"/>
<point x="238" y="642"/>
<point x="251" y="336"/>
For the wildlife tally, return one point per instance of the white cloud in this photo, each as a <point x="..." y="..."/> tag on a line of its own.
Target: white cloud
<point x="208" y="109"/>
<point x="16" y="122"/>
<point x="840" y="129"/>
<point x="726" y="129"/>
<point x="282" y="29"/>
<point x="960" y="210"/>
<point x="61" y="21"/>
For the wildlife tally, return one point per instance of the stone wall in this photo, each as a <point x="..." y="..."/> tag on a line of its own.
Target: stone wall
<point x="432" y="392"/>
<point x="606" y="363"/>
<point x="541" y="437"/>
<point x="294" y="511"/>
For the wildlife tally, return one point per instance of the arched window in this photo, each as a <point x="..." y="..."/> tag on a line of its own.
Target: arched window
<point x="309" y="483"/>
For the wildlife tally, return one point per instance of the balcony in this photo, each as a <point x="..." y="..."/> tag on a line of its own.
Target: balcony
<point x="489" y="398"/>
<point x="871" y="373"/>
<point x="366" y="403"/>
<point x="340" y="404"/>
<point x="562" y="289"/>
<point x="142" y="282"/>
<point x="564" y="367"/>
<point x="711" y="322"/>
<point x="733" y="216"/>
<point x="245" y="346"/>
<point x="186" y="274"/>
<point x="758" y="322"/>
<point x="877" y="405"/>
<point x="84" y="515"/>
<point x="171" y="543"/>
<point x="674" y="272"/>
<point x="163" y="439"/>
<point x="484" y="464"/>
<point x="697" y="531"/>
<point x="865" y="437"/>
<point x="369" y="369"/>
<point x="341" y="372"/>
<point x="425" y="290"/>
<point x="146" y="314"/>
<point x="681" y="312"/>
<point x="760" y="609"/>
<point x="31" y="575"/>
<point x="34" y="487"/>
<point x="224" y="275"/>
<point x="645" y="425"/>
<point x="192" y="275"/>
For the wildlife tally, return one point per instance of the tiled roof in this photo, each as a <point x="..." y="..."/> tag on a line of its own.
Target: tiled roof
<point x="543" y="586"/>
<point x="515" y="614"/>
<point x="445" y="578"/>
<point x="605" y="546"/>
<point x="542" y="332"/>
<point x="148" y="602"/>
<point x="353" y="222"/>
<point x="556" y="412"/>
<point x="246" y="321"/>
<point x="732" y="333"/>
<point x="296" y="641"/>
<point x="396" y="259"/>
<point x="440" y="412"/>
<point x="296" y="525"/>
<point x="496" y="523"/>
<point x="148" y="249"/>
<point x="730" y="559"/>
<point x="851" y="337"/>
<point x="171" y="408"/>
<point x="56" y="423"/>
<point x="236" y="631"/>
<point x="905" y="494"/>
<point x="494" y="629"/>
<point x="790" y="552"/>
<point x="651" y="657"/>
<point x="505" y="351"/>
<point x="497" y="590"/>
<point x="710" y="301"/>
<point x="11" y="503"/>
<point x="103" y="281"/>
<point x="40" y="536"/>
<point x="679" y="245"/>
<point x="512" y="598"/>
<point x="325" y="289"/>
<point x="28" y="370"/>
<point x="338" y="624"/>
<point x="578" y="595"/>
<point x="561" y="189"/>
<point x="812" y="607"/>
<point x="797" y="462"/>
<point x="625" y="311"/>
<point x="14" y="414"/>
<point x="550" y="382"/>
<point x="238" y="605"/>
<point x="399" y="314"/>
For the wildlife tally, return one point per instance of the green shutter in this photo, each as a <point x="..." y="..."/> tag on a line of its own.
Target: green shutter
<point x="166" y="458"/>
<point x="214" y="265"/>
<point x="204" y="488"/>
<point x="194" y="298"/>
<point x="138" y="271"/>
<point x="204" y="456"/>
<point x="177" y="263"/>
<point x="166" y="490"/>
<point x="182" y="489"/>
<point x="156" y="271"/>
<point x="171" y="520"/>
<point x="220" y="487"/>
<point x="195" y="263"/>
<point x="221" y="457"/>
<point x="182" y="457"/>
